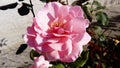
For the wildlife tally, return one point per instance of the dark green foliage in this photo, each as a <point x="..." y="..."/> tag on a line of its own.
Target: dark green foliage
<point x="34" y="54"/>
<point x="102" y="18"/>
<point x="98" y="5"/>
<point x="59" y="65"/>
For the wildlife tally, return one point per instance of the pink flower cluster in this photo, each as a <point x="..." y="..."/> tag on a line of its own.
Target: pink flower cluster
<point x="40" y="62"/>
<point x="58" y="32"/>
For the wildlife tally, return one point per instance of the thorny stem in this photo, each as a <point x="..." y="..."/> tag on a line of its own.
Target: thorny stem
<point x="32" y="9"/>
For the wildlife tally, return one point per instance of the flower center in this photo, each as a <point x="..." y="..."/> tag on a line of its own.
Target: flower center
<point x="57" y="24"/>
<point x="57" y="27"/>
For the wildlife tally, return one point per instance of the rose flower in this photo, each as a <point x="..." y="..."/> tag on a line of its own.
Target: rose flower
<point x="58" y="32"/>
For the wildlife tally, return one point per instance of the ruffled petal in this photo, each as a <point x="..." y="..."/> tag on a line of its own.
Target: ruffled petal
<point x="77" y="28"/>
<point x="30" y="36"/>
<point x="52" y="8"/>
<point x="86" y="38"/>
<point x="56" y="46"/>
<point x="66" y="49"/>
<point x="76" y="50"/>
<point x="63" y="11"/>
<point x="42" y="20"/>
<point x="52" y="56"/>
<point x="76" y="11"/>
<point x="47" y="15"/>
<point x="78" y="24"/>
<point x="45" y="47"/>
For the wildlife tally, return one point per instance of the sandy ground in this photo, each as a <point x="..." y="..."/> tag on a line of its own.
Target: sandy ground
<point x="8" y="58"/>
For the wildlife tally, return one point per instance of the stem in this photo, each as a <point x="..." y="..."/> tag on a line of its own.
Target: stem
<point x="32" y="8"/>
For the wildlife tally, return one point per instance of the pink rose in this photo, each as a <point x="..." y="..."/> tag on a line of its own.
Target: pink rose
<point x="58" y="32"/>
<point x="40" y="62"/>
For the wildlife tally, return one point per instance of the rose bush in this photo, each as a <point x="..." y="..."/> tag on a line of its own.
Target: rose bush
<point x="58" y="32"/>
<point x="40" y="62"/>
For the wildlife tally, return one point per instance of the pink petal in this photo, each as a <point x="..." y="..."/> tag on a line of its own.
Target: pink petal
<point x="78" y="24"/>
<point x="74" y="54"/>
<point x="77" y="49"/>
<point x="40" y="62"/>
<point x="76" y="11"/>
<point x="60" y="35"/>
<point x="30" y="37"/>
<point x="67" y="45"/>
<point x="52" y="8"/>
<point x="77" y="28"/>
<point x="53" y="40"/>
<point x="42" y="20"/>
<point x="30" y="30"/>
<point x="86" y="38"/>
<point x="66" y="49"/>
<point x="46" y="47"/>
<point x="37" y="28"/>
<point x="48" y="13"/>
<point x="32" y="66"/>
<point x="64" y="53"/>
<point x="52" y="11"/>
<point x="52" y="56"/>
<point x="56" y="46"/>
<point x="63" y="11"/>
<point x="30" y="40"/>
<point x="38" y="39"/>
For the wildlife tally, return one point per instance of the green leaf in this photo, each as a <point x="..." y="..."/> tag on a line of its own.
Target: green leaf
<point x="102" y="38"/>
<point x="102" y="18"/>
<point x="98" y="30"/>
<point x="34" y="54"/>
<point x="98" y="5"/>
<point x="81" y="61"/>
<point x="21" y="48"/>
<point x="58" y="66"/>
